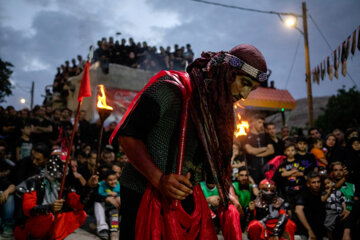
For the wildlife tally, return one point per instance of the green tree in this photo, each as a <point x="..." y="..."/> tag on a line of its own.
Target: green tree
<point x="5" y="85"/>
<point x="341" y="111"/>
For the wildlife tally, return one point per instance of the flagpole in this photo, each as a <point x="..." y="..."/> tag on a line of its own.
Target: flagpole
<point x="69" y="149"/>
<point x="80" y="99"/>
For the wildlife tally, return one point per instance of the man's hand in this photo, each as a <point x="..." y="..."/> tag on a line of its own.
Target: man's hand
<point x="93" y="181"/>
<point x="345" y="214"/>
<point x="175" y="186"/>
<point x="113" y="194"/>
<point x="113" y="201"/>
<point x="3" y="197"/>
<point x="57" y="205"/>
<point x="77" y="175"/>
<point x="252" y="206"/>
<point x="4" y="174"/>
<point x="274" y="238"/>
<point x="213" y="201"/>
<point x="312" y="235"/>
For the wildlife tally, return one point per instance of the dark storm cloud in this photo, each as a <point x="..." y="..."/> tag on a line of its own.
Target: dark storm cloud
<point x="71" y="26"/>
<point x="57" y="37"/>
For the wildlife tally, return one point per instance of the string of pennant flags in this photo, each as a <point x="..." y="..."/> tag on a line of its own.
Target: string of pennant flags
<point x="340" y="56"/>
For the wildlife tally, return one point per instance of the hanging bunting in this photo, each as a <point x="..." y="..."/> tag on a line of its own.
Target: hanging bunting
<point x="353" y="44"/>
<point x="323" y="70"/>
<point x="318" y="75"/>
<point x="358" y="45"/>
<point x="343" y="52"/>
<point x="336" y="64"/>
<point x="313" y="72"/>
<point x="347" y="50"/>
<point x="329" y="68"/>
<point x="343" y="59"/>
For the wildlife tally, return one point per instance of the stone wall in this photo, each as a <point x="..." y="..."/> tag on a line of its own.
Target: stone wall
<point x="119" y="76"/>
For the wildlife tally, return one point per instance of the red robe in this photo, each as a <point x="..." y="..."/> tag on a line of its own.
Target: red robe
<point x="47" y="226"/>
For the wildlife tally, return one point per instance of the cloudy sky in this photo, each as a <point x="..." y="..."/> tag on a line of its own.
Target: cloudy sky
<point x="37" y="36"/>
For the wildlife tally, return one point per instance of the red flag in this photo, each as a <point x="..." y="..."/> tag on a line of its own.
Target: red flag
<point x="85" y="89"/>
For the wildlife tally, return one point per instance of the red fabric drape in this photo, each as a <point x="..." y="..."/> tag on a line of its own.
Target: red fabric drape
<point x="85" y="89"/>
<point x="230" y="223"/>
<point x="45" y="226"/>
<point x="160" y="218"/>
<point x="256" y="230"/>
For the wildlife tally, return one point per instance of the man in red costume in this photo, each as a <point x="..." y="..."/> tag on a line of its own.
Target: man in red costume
<point x="154" y="129"/>
<point x="271" y="220"/>
<point x="46" y="216"/>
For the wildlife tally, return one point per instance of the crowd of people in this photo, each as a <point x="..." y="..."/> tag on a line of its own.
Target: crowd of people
<point x="32" y="145"/>
<point x="141" y="56"/>
<point x="313" y="180"/>
<point x="135" y="55"/>
<point x="316" y="178"/>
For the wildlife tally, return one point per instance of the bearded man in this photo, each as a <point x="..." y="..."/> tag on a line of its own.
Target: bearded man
<point x="153" y="127"/>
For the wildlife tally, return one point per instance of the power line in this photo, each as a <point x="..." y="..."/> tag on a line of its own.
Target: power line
<point x="293" y="61"/>
<point x="246" y="9"/>
<point x="323" y="36"/>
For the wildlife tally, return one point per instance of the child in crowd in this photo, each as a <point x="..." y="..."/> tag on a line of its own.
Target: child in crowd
<point x="110" y="190"/>
<point x="24" y="145"/>
<point x="236" y="161"/>
<point x="335" y="205"/>
<point x="317" y="150"/>
<point x="292" y="174"/>
<point x="307" y="160"/>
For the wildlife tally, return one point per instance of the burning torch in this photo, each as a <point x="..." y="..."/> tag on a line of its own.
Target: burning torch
<point x="104" y="112"/>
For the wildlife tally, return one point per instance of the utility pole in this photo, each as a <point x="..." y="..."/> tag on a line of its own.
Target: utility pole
<point x="32" y="95"/>
<point x="307" y="65"/>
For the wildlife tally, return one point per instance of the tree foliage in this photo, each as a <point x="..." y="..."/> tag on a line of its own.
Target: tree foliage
<point x="5" y="85"/>
<point x="341" y="111"/>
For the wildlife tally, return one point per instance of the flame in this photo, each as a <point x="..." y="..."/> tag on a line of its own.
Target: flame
<point x="243" y="127"/>
<point x="102" y="99"/>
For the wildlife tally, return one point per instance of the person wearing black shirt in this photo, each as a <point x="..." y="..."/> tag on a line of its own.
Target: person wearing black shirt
<point x="257" y="148"/>
<point x="278" y="144"/>
<point x="310" y="210"/>
<point x="306" y="159"/>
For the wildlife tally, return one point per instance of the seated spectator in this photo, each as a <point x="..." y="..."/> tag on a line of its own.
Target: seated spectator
<point x="24" y="145"/>
<point x="338" y="173"/>
<point x="332" y="152"/>
<point x="6" y="194"/>
<point x="81" y="63"/>
<point x="285" y="134"/>
<point x="314" y="133"/>
<point x="352" y="161"/>
<point x="212" y="197"/>
<point x="78" y="181"/>
<point x="74" y="70"/>
<point x="117" y="167"/>
<point x="335" y="206"/>
<point x="236" y="161"/>
<point x="109" y="189"/>
<point x="310" y="210"/>
<point x="307" y="160"/>
<point x="90" y="168"/>
<point x="189" y="54"/>
<point x="270" y="218"/>
<point x="317" y="150"/>
<point x="41" y="204"/>
<point x="42" y="126"/>
<point x="107" y="155"/>
<point x="292" y="173"/>
<point x="246" y="190"/>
